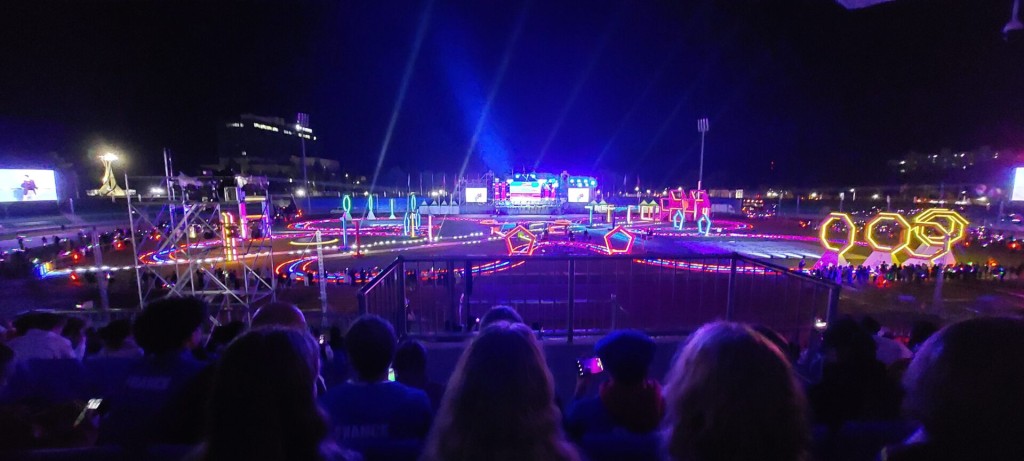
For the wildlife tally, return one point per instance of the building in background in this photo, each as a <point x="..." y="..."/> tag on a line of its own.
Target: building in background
<point x="984" y="165"/>
<point x="270" y="146"/>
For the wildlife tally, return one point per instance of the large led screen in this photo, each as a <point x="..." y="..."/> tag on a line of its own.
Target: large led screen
<point x="27" y="186"/>
<point x="476" y="195"/>
<point x="524" y="192"/>
<point x="579" y="195"/>
<point x="1018" y="184"/>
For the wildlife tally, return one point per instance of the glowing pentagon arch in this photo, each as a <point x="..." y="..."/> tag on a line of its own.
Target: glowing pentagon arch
<point x="516" y="232"/>
<point x="850" y="237"/>
<point x="678" y="219"/>
<point x="704" y="224"/>
<point x="617" y="234"/>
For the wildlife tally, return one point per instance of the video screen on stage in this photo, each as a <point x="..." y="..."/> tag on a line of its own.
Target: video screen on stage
<point x="524" y="191"/>
<point x="579" y="195"/>
<point x="476" y="195"/>
<point x="27" y="186"/>
<point x="1018" y="184"/>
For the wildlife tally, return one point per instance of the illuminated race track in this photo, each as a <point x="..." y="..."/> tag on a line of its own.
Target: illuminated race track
<point x="294" y="248"/>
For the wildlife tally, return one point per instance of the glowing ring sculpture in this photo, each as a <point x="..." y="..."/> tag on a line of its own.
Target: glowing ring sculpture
<point x="851" y="232"/>
<point x="950" y="227"/>
<point x="869" y="232"/>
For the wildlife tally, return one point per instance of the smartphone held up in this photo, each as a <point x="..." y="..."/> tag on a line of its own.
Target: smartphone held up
<point x="591" y="366"/>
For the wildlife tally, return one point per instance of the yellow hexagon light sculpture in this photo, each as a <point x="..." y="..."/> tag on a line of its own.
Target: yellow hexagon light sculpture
<point x="869" y="232"/>
<point x="947" y="228"/>
<point x="851" y="232"/>
<point x="952" y="231"/>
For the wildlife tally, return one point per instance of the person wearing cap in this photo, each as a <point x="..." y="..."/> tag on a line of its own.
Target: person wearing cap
<point x="629" y="400"/>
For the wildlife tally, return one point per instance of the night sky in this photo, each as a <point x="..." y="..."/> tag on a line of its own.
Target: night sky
<point x="594" y="87"/>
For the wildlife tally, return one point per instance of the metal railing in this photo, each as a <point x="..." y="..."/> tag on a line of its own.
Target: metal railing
<point x="574" y="295"/>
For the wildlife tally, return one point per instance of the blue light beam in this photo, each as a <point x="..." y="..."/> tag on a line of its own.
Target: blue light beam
<point x="584" y="76"/>
<point x="410" y="65"/>
<point x="485" y="112"/>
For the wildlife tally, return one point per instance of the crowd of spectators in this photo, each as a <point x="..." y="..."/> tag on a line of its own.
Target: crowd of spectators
<point x="886" y="274"/>
<point x="278" y="390"/>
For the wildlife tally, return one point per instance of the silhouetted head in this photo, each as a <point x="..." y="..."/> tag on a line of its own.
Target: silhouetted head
<point x="731" y="395"/>
<point x="410" y="360"/>
<point x="222" y="335"/>
<point x="39" y="320"/>
<point x="6" y="364"/>
<point x="370" y="343"/>
<point x="964" y="386"/>
<point x="74" y="330"/>
<point x="170" y="325"/>
<point x="115" y="333"/>
<point x="279" y="314"/>
<point x="626" y="355"/>
<point x="849" y="341"/>
<point x="499" y="403"/>
<point x="500" y="314"/>
<point x="920" y="331"/>
<point x="777" y="340"/>
<point x="263" y="399"/>
<point x="870" y="325"/>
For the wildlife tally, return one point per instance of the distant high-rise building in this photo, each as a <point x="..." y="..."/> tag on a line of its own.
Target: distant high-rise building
<point x="979" y="165"/>
<point x="270" y="146"/>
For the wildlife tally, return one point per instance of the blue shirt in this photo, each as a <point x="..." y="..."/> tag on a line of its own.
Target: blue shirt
<point x="588" y="415"/>
<point x="367" y="412"/>
<point x="154" y="401"/>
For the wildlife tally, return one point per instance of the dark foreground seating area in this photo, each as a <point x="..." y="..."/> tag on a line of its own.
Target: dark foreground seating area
<point x="161" y="388"/>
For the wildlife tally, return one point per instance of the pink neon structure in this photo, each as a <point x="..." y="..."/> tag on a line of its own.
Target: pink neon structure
<point x="676" y="200"/>
<point x="629" y="241"/>
<point x="699" y="205"/>
<point x="693" y="206"/>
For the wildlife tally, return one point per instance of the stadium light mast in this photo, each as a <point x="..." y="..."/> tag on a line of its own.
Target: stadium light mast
<point x="303" y="122"/>
<point x="702" y="128"/>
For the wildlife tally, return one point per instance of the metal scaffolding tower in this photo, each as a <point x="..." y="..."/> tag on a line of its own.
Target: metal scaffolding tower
<point x="193" y="241"/>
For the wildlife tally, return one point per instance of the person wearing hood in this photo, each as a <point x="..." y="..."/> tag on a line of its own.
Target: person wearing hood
<point x="629" y="400"/>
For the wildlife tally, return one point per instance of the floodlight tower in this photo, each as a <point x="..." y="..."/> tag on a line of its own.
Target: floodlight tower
<point x="301" y="123"/>
<point x="702" y="128"/>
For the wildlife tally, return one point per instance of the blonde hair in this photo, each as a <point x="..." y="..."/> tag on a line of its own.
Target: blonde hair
<point x="732" y="396"/>
<point x="500" y="403"/>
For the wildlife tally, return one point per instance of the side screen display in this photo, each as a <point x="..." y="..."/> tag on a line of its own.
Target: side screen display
<point x="579" y="195"/>
<point x="476" y="195"/>
<point x="27" y="186"/>
<point x="1018" y="184"/>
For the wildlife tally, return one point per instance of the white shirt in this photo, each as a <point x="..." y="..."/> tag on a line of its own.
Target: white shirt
<point x="39" y="344"/>
<point x="890" y="350"/>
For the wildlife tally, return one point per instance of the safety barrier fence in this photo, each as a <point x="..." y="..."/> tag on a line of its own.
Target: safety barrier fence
<point x="434" y="298"/>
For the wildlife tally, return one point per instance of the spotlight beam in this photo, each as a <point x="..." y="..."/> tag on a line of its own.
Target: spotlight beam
<point x="485" y="112"/>
<point x="584" y="76"/>
<point x="664" y="126"/>
<point x="722" y="110"/>
<point x="410" y="65"/>
<point x="632" y="110"/>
